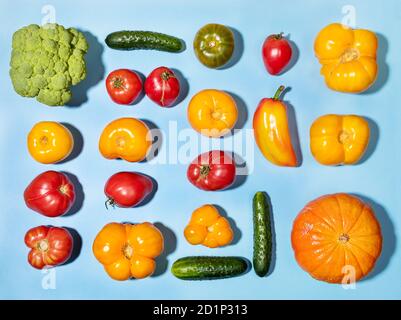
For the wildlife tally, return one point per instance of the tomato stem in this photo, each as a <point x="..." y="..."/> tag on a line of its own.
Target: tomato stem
<point x="166" y="75"/>
<point x="43" y="245"/>
<point x="64" y="189"/>
<point x="128" y="251"/>
<point x="118" y="83"/>
<point x="204" y="170"/>
<point x="279" y="91"/>
<point x="110" y="202"/>
<point x="277" y="36"/>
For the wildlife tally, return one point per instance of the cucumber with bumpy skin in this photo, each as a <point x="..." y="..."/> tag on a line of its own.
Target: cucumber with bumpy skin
<point x="135" y="40"/>
<point x="262" y="234"/>
<point x="209" y="268"/>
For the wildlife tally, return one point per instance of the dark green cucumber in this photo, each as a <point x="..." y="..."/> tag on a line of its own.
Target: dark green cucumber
<point x="209" y="268"/>
<point x="262" y="234"/>
<point x="135" y="40"/>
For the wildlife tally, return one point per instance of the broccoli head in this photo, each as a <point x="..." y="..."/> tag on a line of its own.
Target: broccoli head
<point x="46" y="61"/>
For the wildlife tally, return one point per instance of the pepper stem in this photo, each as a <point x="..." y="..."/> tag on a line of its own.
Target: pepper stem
<point x="278" y="93"/>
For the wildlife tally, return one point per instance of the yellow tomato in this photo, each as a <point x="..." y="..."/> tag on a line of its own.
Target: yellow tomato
<point x="125" y="138"/>
<point x="338" y="140"/>
<point x="50" y="142"/>
<point x="209" y="228"/>
<point x="348" y="57"/>
<point x="212" y="113"/>
<point x="128" y="251"/>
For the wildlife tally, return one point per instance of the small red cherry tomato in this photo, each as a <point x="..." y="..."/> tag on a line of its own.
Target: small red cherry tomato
<point x="51" y="194"/>
<point x="162" y="86"/>
<point x="213" y="170"/>
<point x="127" y="189"/>
<point x="124" y="86"/>
<point x="50" y="246"/>
<point x="277" y="53"/>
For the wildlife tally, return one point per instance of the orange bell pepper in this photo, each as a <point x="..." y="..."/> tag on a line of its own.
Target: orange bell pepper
<point x="209" y="228"/>
<point x="128" y="251"/>
<point x="125" y="138"/>
<point x="272" y="134"/>
<point x="337" y="139"/>
<point x="348" y="57"/>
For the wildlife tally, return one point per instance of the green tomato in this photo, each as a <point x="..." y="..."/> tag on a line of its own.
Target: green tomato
<point x="214" y="45"/>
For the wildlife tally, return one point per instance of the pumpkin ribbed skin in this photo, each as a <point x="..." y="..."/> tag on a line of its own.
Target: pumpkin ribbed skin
<point x="334" y="232"/>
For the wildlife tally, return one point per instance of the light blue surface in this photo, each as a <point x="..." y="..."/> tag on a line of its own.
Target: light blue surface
<point x="377" y="178"/>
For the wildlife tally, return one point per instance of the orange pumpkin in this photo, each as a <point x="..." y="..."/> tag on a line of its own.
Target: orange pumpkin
<point x="336" y="236"/>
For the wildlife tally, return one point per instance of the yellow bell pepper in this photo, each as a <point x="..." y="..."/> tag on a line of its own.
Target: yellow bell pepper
<point x="338" y="140"/>
<point x="209" y="228"/>
<point x="348" y="57"/>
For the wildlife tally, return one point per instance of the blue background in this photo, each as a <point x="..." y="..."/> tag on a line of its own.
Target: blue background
<point x="377" y="179"/>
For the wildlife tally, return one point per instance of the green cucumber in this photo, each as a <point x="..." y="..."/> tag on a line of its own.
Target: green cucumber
<point x="209" y="268"/>
<point x="262" y="234"/>
<point x="135" y="40"/>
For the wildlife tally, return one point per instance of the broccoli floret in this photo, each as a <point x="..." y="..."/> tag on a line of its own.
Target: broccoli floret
<point x="46" y="61"/>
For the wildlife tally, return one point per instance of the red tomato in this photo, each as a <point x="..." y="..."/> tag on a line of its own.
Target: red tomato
<point x="127" y="189"/>
<point x="213" y="170"/>
<point x="50" y="246"/>
<point x="124" y="86"/>
<point x="162" y="86"/>
<point x="51" y="193"/>
<point x="277" y="53"/>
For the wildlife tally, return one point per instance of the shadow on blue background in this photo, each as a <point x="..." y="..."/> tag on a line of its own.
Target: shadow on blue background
<point x="78" y="142"/>
<point x="373" y="140"/>
<point x="295" y="55"/>
<point x="157" y="142"/>
<point x="388" y="234"/>
<point x="242" y="111"/>
<point x="238" y="50"/>
<point x="79" y="194"/>
<point x="95" y="64"/>
<point x="384" y="70"/>
<point x="184" y="87"/>
<point x="240" y="179"/>
<point x="170" y="245"/>
<point x="77" y="245"/>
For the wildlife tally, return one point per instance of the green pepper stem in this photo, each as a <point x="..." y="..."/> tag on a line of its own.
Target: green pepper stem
<point x="278" y="93"/>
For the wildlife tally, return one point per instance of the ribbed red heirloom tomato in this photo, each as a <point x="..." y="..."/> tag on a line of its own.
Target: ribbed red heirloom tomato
<point x="162" y="86"/>
<point x="124" y="86"/>
<point x="277" y="53"/>
<point x="127" y="189"/>
<point x="51" y="193"/>
<point x="211" y="171"/>
<point x="50" y="246"/>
